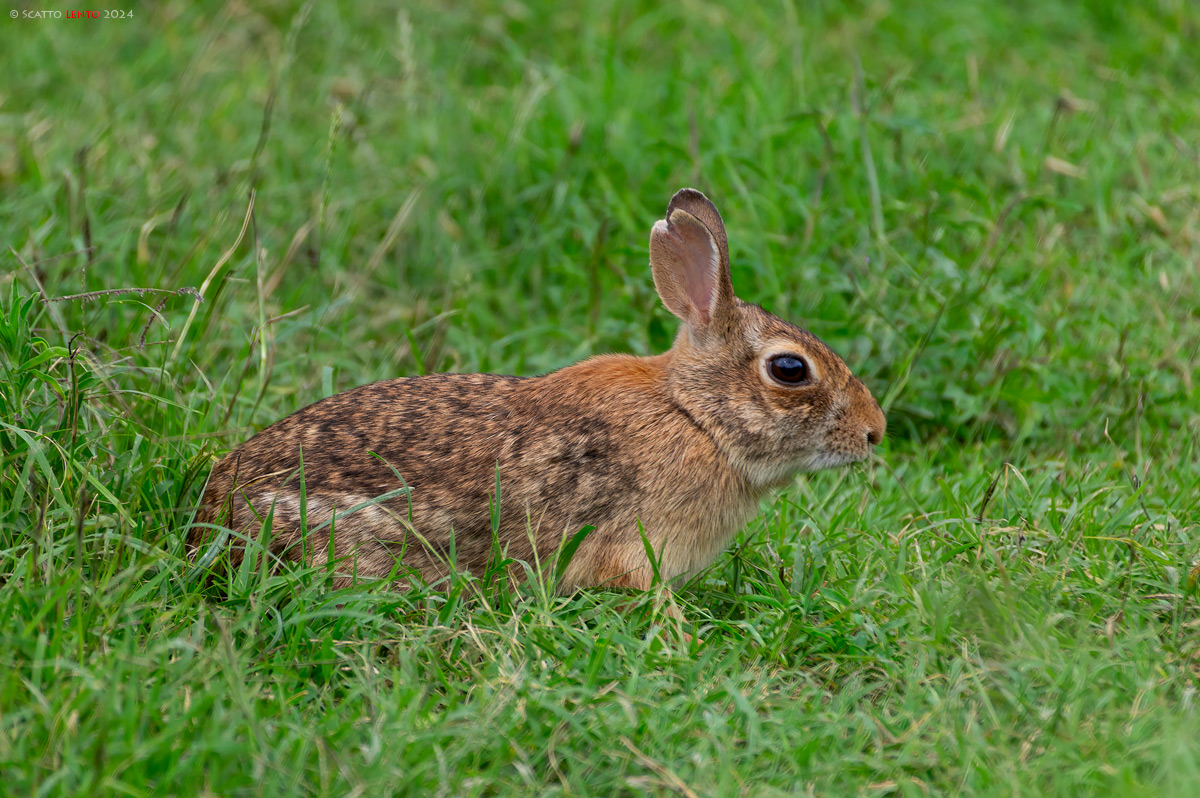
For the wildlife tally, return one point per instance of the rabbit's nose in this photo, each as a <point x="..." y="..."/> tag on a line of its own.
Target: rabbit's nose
<point x="874" y="423"/>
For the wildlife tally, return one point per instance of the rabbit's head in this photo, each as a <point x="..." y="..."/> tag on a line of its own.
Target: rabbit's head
<point x="773" y="397"/>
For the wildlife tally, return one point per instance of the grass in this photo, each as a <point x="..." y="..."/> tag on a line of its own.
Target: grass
<point x="989" y="210"/>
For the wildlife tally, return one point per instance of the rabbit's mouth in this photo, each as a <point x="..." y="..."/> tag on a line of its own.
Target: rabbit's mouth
<point x="839" y="459"/>
<point x="819" y="461"/>
<point x="767" y="475"/>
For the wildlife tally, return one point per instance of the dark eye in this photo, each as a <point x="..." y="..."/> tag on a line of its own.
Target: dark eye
<point x="788" y="369"/>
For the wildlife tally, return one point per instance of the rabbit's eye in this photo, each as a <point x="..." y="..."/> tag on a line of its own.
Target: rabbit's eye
<point x="788" y="369"/>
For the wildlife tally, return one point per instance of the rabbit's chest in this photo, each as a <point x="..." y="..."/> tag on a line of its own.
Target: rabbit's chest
<point x="691" y="538"/>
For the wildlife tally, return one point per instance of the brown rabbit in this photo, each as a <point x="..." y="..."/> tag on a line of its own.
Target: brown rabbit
<point x="681" y="445"/>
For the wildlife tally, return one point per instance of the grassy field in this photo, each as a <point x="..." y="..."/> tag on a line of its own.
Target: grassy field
<point x="992" y="211"/>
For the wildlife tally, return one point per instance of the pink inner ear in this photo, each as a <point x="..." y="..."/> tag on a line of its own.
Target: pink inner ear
<point x="701" y="264"/>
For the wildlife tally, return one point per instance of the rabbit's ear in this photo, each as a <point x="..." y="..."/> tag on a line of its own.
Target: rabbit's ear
<point x="698" y="205"/>
<point x="691" y="270"/>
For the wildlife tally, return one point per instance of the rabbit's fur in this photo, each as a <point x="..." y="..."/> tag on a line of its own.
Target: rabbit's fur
<point x="679" y="447"/>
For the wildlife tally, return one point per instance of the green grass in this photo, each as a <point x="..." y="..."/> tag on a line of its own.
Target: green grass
<point x="994" y="221"/>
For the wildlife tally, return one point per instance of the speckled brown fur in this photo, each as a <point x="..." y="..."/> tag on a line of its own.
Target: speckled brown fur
<point x="684" y="443"/>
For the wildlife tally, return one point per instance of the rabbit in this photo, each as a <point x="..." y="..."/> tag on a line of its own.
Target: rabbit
<point x="675" y="449"/>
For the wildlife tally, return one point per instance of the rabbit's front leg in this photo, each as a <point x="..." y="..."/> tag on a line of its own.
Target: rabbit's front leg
<point x="642" y="579"/>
